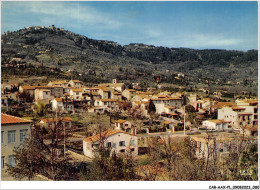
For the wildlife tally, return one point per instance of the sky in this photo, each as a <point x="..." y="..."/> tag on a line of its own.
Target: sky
<point x="229" y="25"/>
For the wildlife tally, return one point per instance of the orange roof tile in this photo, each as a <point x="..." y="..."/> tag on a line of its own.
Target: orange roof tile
<point x="76" y="81"/>
<point x="58" y="99"/>
<point x="116" y="93"/>
<point x="120" y="121"/>
<point x="166" y="122"/>
<point x="217" y="121"/>
<point x="108" y="100"/>
<point x="131" y="90"/>
<point x="237" y="108"/>
<point x="9" y="119"/>
<point x="223" y="104"/>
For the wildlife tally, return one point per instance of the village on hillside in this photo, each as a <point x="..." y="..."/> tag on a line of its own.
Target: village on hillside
<point x="66" y="129"/>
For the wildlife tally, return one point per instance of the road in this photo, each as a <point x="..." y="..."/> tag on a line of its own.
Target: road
<point x="177" y="133"/>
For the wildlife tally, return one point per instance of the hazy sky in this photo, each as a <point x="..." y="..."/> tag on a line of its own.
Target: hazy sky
<point x="200" y="25"/>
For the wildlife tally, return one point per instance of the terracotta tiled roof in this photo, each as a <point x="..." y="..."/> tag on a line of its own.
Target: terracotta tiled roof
<point x="28" y="87"/>
<point x="105" y="89"/>
<point x="76" y="81"/>
<point x="45" y="90"/>
<point x="51" y="120"/>
<point x="8" y="119"/>
<point x="166" y="122"/>
<point x="137" y="102"/>
<point x="108" y="100"/>
<point x="131" y="90"/>
<point x="58" y="99"/>
<point x="112" y="84"/>
<point x="116" y="93"/>
<point x="120" y="121"/>
<point x="103" y="135"/>
<point x="245" y="113"/>
<point x="59" y="82"/>
<point x="238" y="108"/>
<point x="223" y="104"/>
<point x="217" y="121"/>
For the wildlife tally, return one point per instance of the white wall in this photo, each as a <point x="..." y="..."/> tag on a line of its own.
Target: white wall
<point x="114" y="139"/>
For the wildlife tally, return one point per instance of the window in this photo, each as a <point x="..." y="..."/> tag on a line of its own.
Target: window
<point x="122" y="143"/>
<point x="23" y="134"/>
<point x="11" y="161"/>
<point x="67" y="124"/>
<point x="109" y="144"/>
<point x="132" y="142"/>
<point x="77" y="93"/>
<point x="11" y="136"/>
<point x="132" y="149"/>
<point x="2" y="162"/>
<point x="2" y="137"/>
<point x="122" y="150"/>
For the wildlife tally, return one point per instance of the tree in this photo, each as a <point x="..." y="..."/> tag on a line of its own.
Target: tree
<point x="151" y="107"/>
<point x="40" y="109"/>
<point x="28" y="160"/>
<point x="249" y="163"/>
<point x="110" y="166"/>
<point x="43" y="153"/>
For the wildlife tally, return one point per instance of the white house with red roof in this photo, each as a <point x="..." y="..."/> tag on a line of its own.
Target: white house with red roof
<point x="115" y="140"/>
<point x="14" y="130"/>
<point x="50" y="122"/>
<point x="76" y="93"/>
<point x="123" y="125"/>
<point x="129" y="93"/>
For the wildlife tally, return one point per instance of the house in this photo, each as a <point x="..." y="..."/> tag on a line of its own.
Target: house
<point x="219" y="144"/>
<point x="43" y="95"/>
<point x="62" y="83"/>
<point x="215" y="124"/>
<point x="164" y="103"/>
<point x="76" y="94"/>
<point x="97" y="109"/>
<point x="57" y="104"/>
<point x="75" y="84"/>
<point x="129" y="93"/>
<point x="124" y="125"/>
<point x="116" y="95"/>
<point x="50" y="122"/>
<point x="13" y="132"/>
<point x="106" y="103"/>
<point x="27" y="89"/>
<point x="250" y="106"/>
<point x="120" y="87"/>
<point x="169" y="126"/>
<point x="104" y="92"/>
<point x="236" y="116"/>
<point x="118" y="141"/>
<point x="95" y="96"/>
<point x="57" y="91"/>
<point x="141" y="97"/>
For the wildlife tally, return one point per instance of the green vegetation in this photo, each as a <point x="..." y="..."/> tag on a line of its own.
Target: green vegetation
<point x="65" y="55"/>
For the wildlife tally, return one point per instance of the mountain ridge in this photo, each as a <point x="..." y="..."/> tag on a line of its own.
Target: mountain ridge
<point x="65" y="50"/>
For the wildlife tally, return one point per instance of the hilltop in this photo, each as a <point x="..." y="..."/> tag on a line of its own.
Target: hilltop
<point x="96" y="61"/>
